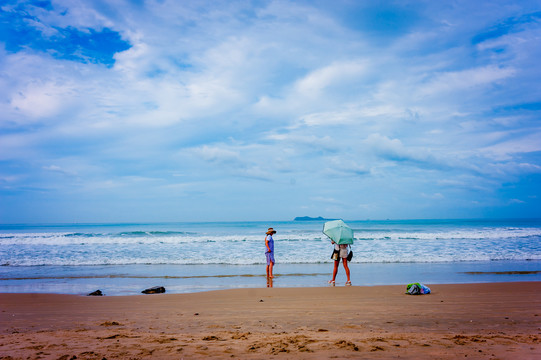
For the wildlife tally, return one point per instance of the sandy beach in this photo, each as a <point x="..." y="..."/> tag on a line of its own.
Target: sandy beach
<point x="480" y="321"/>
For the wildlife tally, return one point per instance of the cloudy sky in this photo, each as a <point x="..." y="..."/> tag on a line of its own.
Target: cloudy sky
<point x="165" y="110"/>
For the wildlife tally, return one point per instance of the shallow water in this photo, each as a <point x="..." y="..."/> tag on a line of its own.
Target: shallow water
<point x="132" y="279"/>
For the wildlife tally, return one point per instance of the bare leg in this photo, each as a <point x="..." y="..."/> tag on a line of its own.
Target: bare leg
<point x="346" y="267"/>
<point x="269" y="270"/>
<point x="335" y="270"/>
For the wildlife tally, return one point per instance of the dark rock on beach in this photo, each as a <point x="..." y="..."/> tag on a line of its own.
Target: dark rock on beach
<point x="154" y="290"/>
<point x="96" y="293"/>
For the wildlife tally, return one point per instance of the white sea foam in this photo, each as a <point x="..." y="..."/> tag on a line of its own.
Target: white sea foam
<point x="174" y="238"/>
<point x="243" y="245"/>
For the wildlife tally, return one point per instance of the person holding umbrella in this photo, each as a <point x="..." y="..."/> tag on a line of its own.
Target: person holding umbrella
<point x="269" y="252"/>
<point x="341" y="237"/>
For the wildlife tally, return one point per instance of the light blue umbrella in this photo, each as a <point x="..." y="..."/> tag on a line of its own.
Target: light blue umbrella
<point x="338" y="231"/>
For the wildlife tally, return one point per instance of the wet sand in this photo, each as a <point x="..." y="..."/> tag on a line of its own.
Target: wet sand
<point x="480" y="321"/>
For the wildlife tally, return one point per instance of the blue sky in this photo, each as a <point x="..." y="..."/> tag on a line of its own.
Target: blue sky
<point x="126" y="111"/>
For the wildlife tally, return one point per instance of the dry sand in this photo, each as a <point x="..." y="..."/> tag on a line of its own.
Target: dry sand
<point x="477" y="321"/>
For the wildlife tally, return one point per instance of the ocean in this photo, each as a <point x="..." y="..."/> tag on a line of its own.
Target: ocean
<point x="124" y="259"/>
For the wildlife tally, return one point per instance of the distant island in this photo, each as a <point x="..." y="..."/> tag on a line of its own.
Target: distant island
<point x="308" y="218"/>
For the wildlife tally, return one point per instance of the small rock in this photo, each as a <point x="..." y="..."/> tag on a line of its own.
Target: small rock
<point x="154" y="290"/>
<point x="96" y="293"/>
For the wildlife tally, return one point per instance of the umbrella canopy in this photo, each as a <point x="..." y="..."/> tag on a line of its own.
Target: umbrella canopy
<point x="338" y="231"/>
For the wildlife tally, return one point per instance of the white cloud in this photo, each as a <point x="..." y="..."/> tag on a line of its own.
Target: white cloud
<point x="327" y="200"/>
<point x="78" y="14"/>
<point x="236" y="161"/>
<point x="337" y="73"/>
<point x="58" y="169"/>
<point x="391" y="148"/>
<point x="282" y="91"/>
<point x="38" y="101"/>
<point x="292" y="142"/>
<point x="435" y="196"/>
<point x="344" y="166"/>
<point x="505" y="149"/>
<point x="217" y="154"/>
<point x="353" y="114"/>
<point x="465" y="79"/>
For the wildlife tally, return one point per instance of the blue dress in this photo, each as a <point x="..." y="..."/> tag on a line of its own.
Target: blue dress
<point x="269" y="255"/>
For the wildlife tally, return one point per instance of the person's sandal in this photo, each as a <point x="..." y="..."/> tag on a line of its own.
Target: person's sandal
<point x="331" y="282"/>
<point x="348" y="283"/>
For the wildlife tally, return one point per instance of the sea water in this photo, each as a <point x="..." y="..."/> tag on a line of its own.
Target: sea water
<point x="123" y="259"/>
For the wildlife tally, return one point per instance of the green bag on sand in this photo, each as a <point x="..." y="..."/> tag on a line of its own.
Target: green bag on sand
<point x="417" y="289"/>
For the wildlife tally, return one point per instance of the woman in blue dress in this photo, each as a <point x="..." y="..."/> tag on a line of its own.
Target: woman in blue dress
<point x="269" y="252"/>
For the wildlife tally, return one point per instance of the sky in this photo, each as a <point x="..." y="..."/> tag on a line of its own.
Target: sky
<point x="166" y="111"/>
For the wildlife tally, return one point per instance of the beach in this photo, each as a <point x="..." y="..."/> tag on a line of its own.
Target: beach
<point x="485" y="277"/>
<point x="480" y="321"/>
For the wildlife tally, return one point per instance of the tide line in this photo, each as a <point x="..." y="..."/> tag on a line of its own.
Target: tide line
<point x="152" y="277"/>
<point x="502" y="272"/>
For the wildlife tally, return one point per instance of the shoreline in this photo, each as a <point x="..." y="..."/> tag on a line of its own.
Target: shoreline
<point x="480" y="320"/>
<point x="118" y="280"/>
